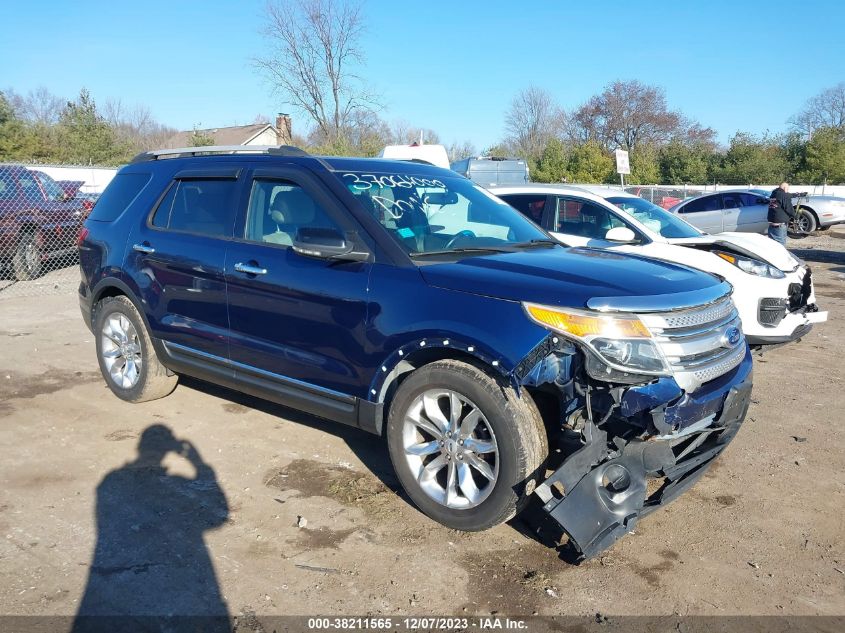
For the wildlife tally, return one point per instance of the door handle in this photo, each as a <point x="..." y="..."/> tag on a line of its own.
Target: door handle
<point x="250" y="270"/>
<point x="143" y="248"/>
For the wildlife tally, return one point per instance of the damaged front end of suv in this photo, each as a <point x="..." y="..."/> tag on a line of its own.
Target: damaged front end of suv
<point x="650" y="392"/>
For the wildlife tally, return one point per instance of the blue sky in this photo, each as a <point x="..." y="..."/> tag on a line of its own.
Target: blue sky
<point x="449" y="66"/>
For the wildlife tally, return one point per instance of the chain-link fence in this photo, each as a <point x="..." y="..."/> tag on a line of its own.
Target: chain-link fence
<point x="42" y="209"/>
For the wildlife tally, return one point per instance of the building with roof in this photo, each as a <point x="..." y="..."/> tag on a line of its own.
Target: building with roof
<point x="254" y="134"/>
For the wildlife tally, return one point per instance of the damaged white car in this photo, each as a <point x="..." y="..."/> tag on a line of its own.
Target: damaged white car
<point x="773" y="290"/>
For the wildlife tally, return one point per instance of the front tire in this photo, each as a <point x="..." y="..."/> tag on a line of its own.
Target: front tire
<point x="27" y="259"/>
<point x="466" y="448"/>
<point x="126" y="355"/>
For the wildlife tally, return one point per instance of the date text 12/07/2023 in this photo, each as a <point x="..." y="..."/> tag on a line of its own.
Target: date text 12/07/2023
<point x="420" y="623"/>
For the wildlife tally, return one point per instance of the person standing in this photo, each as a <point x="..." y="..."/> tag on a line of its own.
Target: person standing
<point x="781" y="212"/>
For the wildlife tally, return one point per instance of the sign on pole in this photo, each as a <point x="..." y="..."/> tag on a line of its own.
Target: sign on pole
<point x="622" y="164"/>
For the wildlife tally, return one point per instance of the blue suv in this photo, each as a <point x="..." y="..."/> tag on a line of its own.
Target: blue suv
<point x="408" y="301"/>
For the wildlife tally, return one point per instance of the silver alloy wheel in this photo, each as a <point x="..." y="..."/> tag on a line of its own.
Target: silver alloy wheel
<point x="450" y="448"/>
<point x="121" y="350"/>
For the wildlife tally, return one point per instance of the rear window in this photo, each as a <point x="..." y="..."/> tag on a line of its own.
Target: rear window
<point x="529" y="205"/>
<point x="199" y="206"/>
<point x="704" y="203"/>
<point x="121" y="192"/>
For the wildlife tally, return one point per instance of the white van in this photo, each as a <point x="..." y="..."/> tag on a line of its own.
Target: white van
<point x="434" y="154"/>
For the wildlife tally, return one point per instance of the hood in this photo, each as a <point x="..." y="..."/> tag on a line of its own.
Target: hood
<point x="758" y="246"/>
<point x="568" y="277"/>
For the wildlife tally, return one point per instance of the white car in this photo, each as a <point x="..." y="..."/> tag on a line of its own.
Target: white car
<point x="773" y="290"/>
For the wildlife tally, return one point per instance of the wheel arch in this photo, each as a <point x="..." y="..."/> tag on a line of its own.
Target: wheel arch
<point x="421" y="352"/>
<point x="113" y="287"/>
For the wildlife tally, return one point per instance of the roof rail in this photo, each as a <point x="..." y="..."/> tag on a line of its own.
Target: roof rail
<point x="208" y="150"/>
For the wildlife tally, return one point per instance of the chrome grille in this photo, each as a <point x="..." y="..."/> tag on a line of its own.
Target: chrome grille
<point x="695" y="341"/>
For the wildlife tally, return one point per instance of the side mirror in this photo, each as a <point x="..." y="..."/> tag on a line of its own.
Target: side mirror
<point x="326" y="244"/>
<point x="621" y="234"/>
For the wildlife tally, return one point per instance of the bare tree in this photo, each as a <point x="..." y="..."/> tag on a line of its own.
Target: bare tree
<point x="136" y="125"/>
<point x="628" y="114"/>
<point x="38" y="106"/>
<point x="459" y="150"/>
<point x="402" y="133"/>
<point x="313" y="53"/>
<point x="531" y="121"/>
<point x="826" y="109"/>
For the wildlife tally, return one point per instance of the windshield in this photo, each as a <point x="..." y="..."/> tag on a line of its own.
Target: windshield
<point x="654" y="218"/>
<point x="51" y="188"/>
<point x="428" y="215"/>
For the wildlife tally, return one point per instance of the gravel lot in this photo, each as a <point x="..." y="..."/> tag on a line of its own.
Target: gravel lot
<point x="312" y="522"/>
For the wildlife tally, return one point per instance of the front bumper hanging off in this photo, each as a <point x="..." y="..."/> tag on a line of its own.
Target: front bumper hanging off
<point x="601" y="489"/>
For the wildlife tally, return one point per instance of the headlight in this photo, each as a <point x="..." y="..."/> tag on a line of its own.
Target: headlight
<point x="752" y="266"/>
<point x="621" y="341"/>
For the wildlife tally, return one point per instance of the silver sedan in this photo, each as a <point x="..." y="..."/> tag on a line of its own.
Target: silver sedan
<point x="746" y="210"/>
<point x="822" y="211"/>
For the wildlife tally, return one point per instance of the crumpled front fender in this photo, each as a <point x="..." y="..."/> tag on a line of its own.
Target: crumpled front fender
<point x="601" y="489"/>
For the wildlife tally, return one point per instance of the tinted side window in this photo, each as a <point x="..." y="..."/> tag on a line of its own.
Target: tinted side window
<point x="704" y="203"/>
<point x="278" y="209"/>
<point x="7" y="184"/>
<point x="30" y="188"/>
<point x="750" y="200"/>
<point x="730" y="201"/>
<point x="580" y="217"/>
<point x="162" y="214"/>
<point x="203" y="207"/>
<point x="529" y="205"/>
<point x="120" y="193"/>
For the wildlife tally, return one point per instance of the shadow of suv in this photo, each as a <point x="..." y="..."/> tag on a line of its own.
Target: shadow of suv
<point x="408" y="301"/>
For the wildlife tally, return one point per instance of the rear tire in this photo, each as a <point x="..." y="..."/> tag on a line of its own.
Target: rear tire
<point x="127" y="359"/>
<point x="483" y="472"/>
<point x="27" y="259"/>
<point x="803" y="224"/>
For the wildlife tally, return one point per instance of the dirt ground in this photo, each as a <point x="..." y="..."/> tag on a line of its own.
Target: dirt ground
<point x="294" y="515"/>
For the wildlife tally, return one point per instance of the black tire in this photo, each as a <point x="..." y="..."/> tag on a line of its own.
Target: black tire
<point x="153" y="381"/>
<point x="27" y="259"/>
<point x="515" y="422"/>
<point x="804" y="224"/>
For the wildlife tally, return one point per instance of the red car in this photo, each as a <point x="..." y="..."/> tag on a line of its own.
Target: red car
<point x="38" y="221"/>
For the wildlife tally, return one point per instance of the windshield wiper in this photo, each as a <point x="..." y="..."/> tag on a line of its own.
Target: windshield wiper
<point x="536" y="243"/>
<point x="449" y="251"/>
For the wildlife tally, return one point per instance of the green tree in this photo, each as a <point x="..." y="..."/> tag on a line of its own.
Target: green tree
<point x="21" y="140"/>
<point x="825" y="156"/>
<point x="497" y="151"/>
<point x="553" y="164"/>
<point x="752" y="159"/>
<point x="645" y="167"/>
<point x="12" y="132"/>
<point x="84" y="137"/>
<point x="680" y="163"/>
<point x="200" y="138"/>
<point x="590" y="163"/>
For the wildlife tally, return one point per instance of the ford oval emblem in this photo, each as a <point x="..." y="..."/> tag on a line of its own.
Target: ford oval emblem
<point x="732" y="336"/>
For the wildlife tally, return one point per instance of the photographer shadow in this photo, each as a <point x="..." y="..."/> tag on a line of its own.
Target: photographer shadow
<point x="151" y="570"/>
